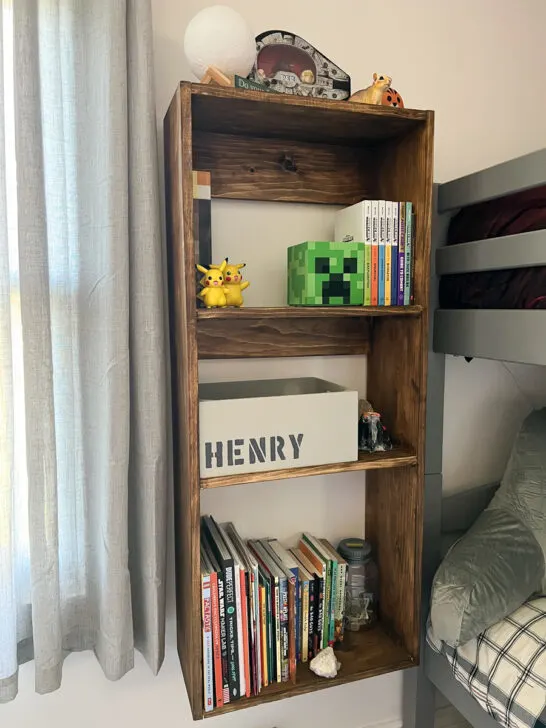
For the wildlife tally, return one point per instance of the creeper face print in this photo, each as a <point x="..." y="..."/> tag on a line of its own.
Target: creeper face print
<point x="326" y="274"/>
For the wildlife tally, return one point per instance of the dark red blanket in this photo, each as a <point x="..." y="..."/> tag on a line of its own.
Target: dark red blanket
<point x="517" y="288"/>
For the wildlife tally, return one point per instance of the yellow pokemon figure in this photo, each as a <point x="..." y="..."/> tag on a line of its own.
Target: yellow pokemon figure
<point x="233" y="278"/>
<point x="214" y="289"/>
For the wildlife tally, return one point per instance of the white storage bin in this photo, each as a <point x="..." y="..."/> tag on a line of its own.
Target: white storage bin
<point x="253" y="426"/>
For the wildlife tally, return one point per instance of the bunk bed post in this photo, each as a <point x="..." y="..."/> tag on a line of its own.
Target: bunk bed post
<point x="419" y="693"/>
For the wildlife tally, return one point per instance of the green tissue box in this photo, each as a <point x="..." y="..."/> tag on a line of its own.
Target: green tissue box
<point x="326" y="274"/>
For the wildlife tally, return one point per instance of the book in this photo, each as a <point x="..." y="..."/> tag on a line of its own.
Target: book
<point x="206" y="623"/>
<point x="331" y="584"/>
<point x="290" y="568"/>
<point x="389" y="220"/>
<point x="306" y="586"/>
<point x="225" y="561"/>
<point x="381" y="254"/>
<point x="264" y="629"/>
<point x="221" y="618"/>
<point x="279" y="606"/>
<point x="241" y="607"/>
<point x="401" y="250"/>
<point x="216" y="644"/>
<point x="408" y="255"/>
<point x="375" y="252"/>
<point x="253" y="611"/>
<point x="315" y="596"/>
<point x="287" y="560"/>
<point x="287" y="596"/>
<point x="394" y="254"/>
<point x="413" y="223"/>
<point x="367" y="252"/>
<point x="321" y="565"/>
<point x="340" y="589"/>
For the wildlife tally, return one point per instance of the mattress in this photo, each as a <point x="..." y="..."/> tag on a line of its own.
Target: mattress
<point x="518" y="288"/>
<point x="504" y="669"/>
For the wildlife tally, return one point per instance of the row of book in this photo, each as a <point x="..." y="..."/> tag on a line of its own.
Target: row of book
<point x="387" y="230"/>
<point x="264" y="609"/>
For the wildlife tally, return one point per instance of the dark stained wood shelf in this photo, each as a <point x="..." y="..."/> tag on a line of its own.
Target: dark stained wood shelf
<point x="265" y="146"/>
<point x="296" y="312"/>
<point x="396" y="458"/>
<point x="362" y="654"/>
<point x="256" y="114"/>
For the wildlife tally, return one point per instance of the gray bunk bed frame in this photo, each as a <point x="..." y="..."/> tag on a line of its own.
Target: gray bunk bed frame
<point x="505" y="335"/>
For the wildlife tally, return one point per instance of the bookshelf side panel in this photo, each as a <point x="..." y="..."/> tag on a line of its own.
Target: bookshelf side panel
<point x="184" y="381"/>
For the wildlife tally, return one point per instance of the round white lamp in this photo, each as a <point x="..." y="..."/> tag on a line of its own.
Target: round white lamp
<point x="219" y="43"/>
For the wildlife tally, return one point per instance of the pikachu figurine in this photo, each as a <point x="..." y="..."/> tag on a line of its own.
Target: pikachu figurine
<point x="233" y="280"/>
<point x="214" y="289"/>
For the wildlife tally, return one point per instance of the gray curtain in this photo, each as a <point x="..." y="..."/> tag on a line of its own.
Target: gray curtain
<point x="82" y="345"/>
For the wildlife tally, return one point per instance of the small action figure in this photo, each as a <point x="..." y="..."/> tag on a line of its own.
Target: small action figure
<point x="233" y="280"/>
<point x="372" y="434"/>
<point x="214" y="288"/>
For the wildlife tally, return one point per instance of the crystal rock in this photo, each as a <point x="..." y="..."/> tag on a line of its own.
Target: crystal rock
<point x="325" y="663"/>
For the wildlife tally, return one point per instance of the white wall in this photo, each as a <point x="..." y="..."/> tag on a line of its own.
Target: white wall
<point x="480" y="66"/>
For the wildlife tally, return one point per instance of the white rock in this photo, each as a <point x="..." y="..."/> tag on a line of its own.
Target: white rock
<point x="325" y="663"/>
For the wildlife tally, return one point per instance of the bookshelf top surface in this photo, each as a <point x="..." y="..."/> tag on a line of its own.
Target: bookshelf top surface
<point x="257" y="113"/>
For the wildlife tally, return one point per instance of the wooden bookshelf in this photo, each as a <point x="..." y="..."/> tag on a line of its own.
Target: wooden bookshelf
<point x="262" y="146"/>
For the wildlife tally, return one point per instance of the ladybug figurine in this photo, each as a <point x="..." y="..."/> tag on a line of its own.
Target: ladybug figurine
<point x="391" y="97"/>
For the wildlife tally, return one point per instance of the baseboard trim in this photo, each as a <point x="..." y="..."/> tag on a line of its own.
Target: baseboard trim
<point x="385" y="724"/>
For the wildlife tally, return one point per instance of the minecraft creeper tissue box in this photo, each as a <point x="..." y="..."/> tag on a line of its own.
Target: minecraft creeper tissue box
<point x="326" y="274"/>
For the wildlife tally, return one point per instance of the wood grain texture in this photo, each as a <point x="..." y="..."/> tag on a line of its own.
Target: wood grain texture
<point x="394" y="502"/>
<point x="267" y="338"/>
<point x="179" y="201"/>
<point x="405" y="171"/>
<point x="278" y="169"/>
<point x="362" y="654"/>
<point x="397" y="377"/>
<point x="296" y="312"/>
<point x="397" y="458"/>
<point x="258" y="114"/>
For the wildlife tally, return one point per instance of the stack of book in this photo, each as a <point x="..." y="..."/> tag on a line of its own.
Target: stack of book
<point x="264" y="609"/>
<point x="387" y="230"/>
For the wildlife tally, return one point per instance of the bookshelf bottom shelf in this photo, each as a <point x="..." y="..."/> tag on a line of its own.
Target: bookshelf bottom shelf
<point x="363" y="654"/>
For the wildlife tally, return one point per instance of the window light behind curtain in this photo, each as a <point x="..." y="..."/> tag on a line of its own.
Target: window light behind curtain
<point x="82" y="349"/>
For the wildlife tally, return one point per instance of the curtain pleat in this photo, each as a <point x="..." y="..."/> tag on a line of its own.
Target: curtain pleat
<point x="83" y="504"/>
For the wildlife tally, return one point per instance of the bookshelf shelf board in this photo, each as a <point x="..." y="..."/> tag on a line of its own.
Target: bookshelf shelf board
<point x="396" y="458"/>
<point x="362" y="654"/>
<point x="295" y="312"/>
<point x="260" y="114"/>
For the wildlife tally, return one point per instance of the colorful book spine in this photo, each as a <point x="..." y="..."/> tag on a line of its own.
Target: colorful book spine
<point x="321" y="611"/>
<point x="394" y="254"/>
<point x="304" y="588"/>
<point x="333" y="602"/>
<point x="409" y="255"/>
<point x="313" y="601"/>
<point x="375" y="252"/>
<point x="367" y="253"/>
<point x="413" y="224"/>
<point x="216" y="646"/>
<point x="401" y="251"/>
<point x="389" y="218"/>
<point x="208" y="679"/>
<point x="263" y="635"/>
<point x="382" y="243"/>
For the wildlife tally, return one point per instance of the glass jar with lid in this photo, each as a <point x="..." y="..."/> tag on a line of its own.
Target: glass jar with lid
<point x="361" y="590"/>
